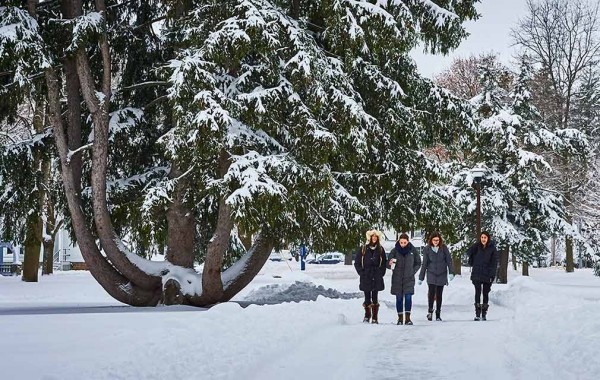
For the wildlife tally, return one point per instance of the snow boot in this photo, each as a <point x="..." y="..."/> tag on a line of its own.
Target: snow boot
<point x="437" y="315"/>
<point x="407" y="320"/>
<point x="400" y="319"/>
<point x="484" y="309"/>
<point x="375" y="308"/>
<point x="429" y="315"/>
<point x="477" y="312"/>
<point x="367" y="317"/>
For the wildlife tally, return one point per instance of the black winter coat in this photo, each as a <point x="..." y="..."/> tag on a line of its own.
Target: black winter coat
<point x="484" y="261"/>
<point x="370" y="266"/>
<point x="403" y="275"/>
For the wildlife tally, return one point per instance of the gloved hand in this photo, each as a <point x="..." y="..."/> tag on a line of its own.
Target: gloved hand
<point x="450" y="277"/>
<point x="420" y="282"/>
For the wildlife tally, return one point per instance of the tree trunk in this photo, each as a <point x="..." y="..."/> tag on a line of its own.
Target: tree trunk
<point x="514" y="261"/>
<point x="117" y="285"/>
<point x="525" y="268"/>
<point x="33" y="238"/>
<point x="212" y="285"/>
<point x="348" y="258"/>
<point x="48" y="265"/>
<point x="112" y="245"/>
<point x="457" y="264"/>
<point x="570" y="267"/>
<point x="33" y="242"/>
<point x="503" y="269"/>
<point x="553" y="251"/>
<point x="181" y="226"/>
<point x="295" y="9"/>
<point x="245" y="269"/>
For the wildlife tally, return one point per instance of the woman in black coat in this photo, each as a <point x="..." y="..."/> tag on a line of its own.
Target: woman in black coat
<point x="370" y="265"/>
<point x="404" y="261"/>
<point x="483" y="259"/>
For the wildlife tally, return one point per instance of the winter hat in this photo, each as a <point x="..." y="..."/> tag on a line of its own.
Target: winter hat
<point x="374" y="232"/>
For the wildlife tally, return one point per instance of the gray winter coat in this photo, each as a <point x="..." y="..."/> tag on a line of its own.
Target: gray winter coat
<point x="437" y="265"/>
<point x="403" y="275"/>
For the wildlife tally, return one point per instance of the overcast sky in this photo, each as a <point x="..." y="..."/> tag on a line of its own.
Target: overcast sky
<point x="490" y="33"/>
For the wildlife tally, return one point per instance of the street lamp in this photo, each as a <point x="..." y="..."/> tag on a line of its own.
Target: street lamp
<point x="478" y="174"/>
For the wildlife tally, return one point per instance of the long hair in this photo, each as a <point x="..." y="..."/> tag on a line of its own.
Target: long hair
<point x="435" y="235"/>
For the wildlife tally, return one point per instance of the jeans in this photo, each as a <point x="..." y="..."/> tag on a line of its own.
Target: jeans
<point x="403" y="298"/>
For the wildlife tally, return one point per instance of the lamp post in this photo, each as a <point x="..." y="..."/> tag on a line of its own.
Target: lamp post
<point x="477" y="174"/>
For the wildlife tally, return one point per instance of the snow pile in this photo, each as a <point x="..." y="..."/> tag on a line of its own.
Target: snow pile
<point x="296" y="292"/>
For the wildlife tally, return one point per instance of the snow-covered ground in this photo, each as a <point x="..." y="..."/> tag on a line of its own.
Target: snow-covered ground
<point x="66" y="327"/>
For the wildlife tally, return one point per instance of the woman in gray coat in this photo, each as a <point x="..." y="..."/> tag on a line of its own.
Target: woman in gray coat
<point x="404" y="263"/>
<point x="437" y="263"/>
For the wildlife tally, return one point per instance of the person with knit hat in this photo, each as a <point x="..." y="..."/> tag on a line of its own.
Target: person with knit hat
<point x="404" y="261"/>
<point x="483" y="259"/>
<point x="370" y="264"/>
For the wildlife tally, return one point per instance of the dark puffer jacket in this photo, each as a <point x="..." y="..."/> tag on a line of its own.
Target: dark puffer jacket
<point x="407" y="265"/>
<point x="484" y="261"/>
<point x="437" y="265"/>
<point x="370" y="266"/>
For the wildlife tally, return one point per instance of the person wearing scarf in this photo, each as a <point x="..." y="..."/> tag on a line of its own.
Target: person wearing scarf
<point x="404" y="261"/>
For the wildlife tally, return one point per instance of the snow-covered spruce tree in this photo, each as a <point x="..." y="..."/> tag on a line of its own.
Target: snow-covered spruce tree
<point x="283" y="118"/>
<point x="28" y="185"/>
<point x="518" y="211"/>
<point x="586" y="117"/>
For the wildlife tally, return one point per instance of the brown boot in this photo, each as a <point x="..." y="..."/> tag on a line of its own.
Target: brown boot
<point x="407" y="320"/>
<point x="367" y="317"/>
<point x="484" y="309"/>
<point x="375" y="308"/>
<point x="400" y="318"/>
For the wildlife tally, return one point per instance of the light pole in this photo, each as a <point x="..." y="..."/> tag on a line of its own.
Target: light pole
<point x="477" y="174"/>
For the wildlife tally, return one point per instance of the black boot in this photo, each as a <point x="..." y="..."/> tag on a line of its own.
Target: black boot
<point x="367" y="317"/>
<point x="375" y="308"/>
<point x="437" y="315"/>
<point x="429" y="315"/>
<point x="407" y="321"/>
<point x="484" y="309"/>
<point x="477" y="312"/>
<point x="400" y="318"/>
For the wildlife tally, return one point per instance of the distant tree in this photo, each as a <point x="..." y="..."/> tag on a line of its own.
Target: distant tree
<point x="518" y="211"/>
<point x="462" y="78"/>
<point x="562" y="37"/>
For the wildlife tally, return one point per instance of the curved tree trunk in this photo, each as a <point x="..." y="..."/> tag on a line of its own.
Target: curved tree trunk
<point x="117" y="285"/>
<point x="111" y="244"/>
<point x="236" y="277"/>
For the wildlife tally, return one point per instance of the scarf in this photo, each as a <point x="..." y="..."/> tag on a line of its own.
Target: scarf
<point x="403" y="251"/>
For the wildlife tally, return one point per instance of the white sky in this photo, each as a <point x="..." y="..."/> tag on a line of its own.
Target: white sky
<point x="490" y="33"/>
